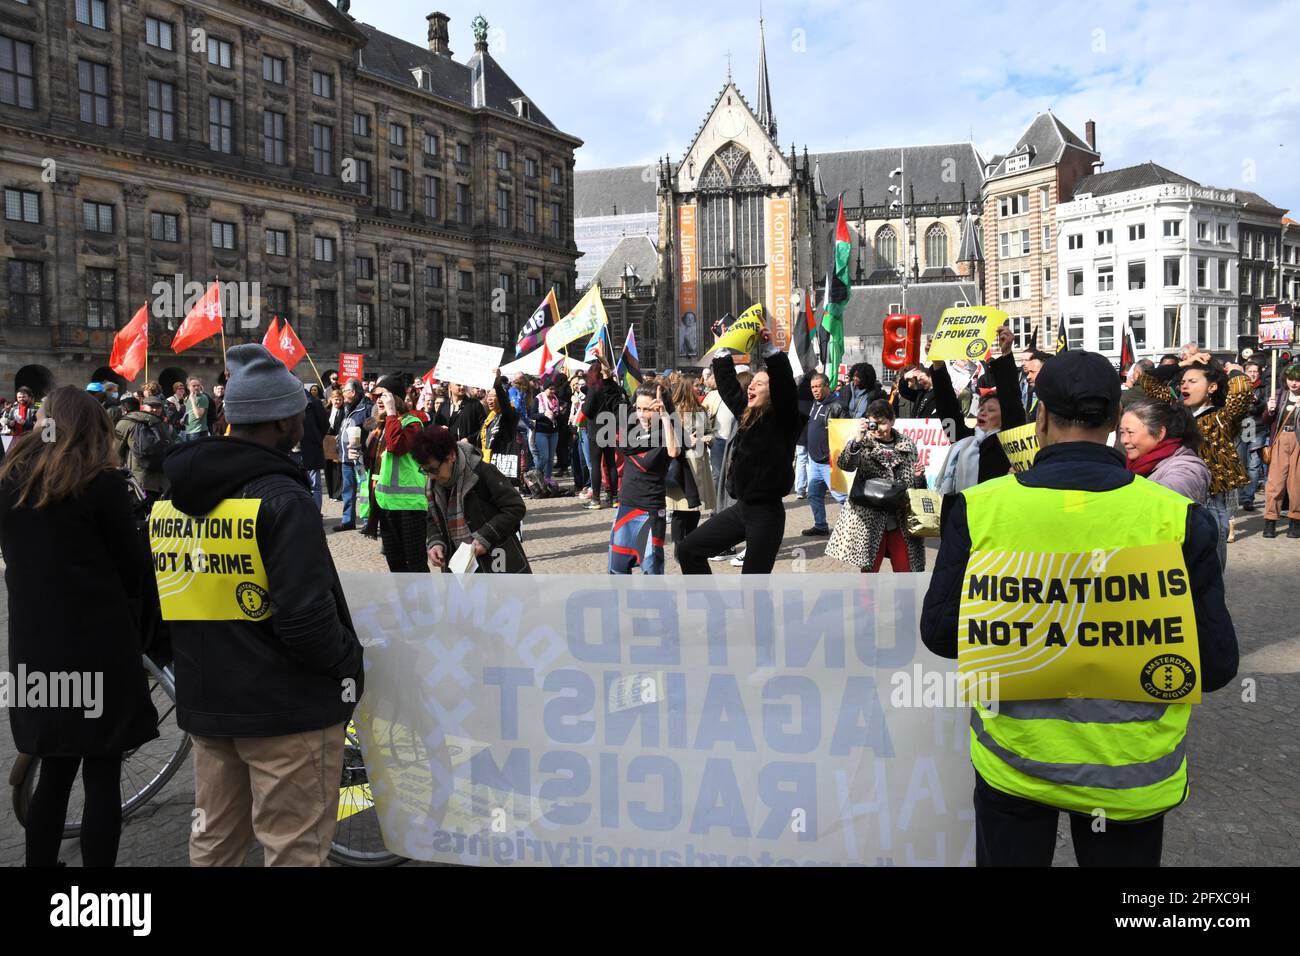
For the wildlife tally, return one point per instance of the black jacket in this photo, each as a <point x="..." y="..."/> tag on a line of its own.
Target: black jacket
<point x="1088" y="467"/>
<point x="503" y="432"/>
<point x="494" y="512"/>
<point x="762" y="456"/>
<point x="607" y="398"/>
<point x="315" y="423"/>
<point x="465" y="422"/>
<point x="284" y="674"/>
<point x="993" y="458"/>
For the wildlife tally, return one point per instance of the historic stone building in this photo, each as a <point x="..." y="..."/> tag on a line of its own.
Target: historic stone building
<point x="379" y="194"/>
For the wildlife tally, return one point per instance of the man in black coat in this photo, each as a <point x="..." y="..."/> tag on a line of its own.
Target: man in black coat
<point x="315" y="423"/>
<point x="462" y="414"/>
<point x="268" y="664"/>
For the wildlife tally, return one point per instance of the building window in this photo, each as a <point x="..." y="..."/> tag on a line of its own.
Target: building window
<point x="101" y="298"/>
<point x="1105" y="333"/>
<point x="97" y="216"/>
<point x="1203" y="325"/>
<point x="273" y="142"/>
<point x="363" y="176"/>
<point x="322" y="149"/>
<point x="433" y="277"/>
<point x="1017" y="163"/>
<point x="1137" y="276"/>
<point x="365" y="268"/>
<point x="223" y="235"/>
<point x="1044" y="198"/>
<point x="1223" y="233"/>
<point x="219" y="52"/>
<point x="1224" y="283"/>
<point x="1074" y="278"/>
<point x="467" y="325"/>
<point x="530" y="167"/>
<point x="505" y="282"/>
<point x="503" y="160"/>
<point x="557" y="220"/>
<point x="462" y="204"/>
<point x="277" y="242"/>
<point x="272" y="69"/>
<point x="93" y="13"/>
<point x="402" y="273"/>
<point x="361" y="125"/>
<point x="505" y="335"/>
<point x="1074" y="241"/>
<point x="22" y="205"/>
<point x="323" y="248"/>
<point x="1202" y="273"/>
<point x="936" y="247"/>
<point x="466" y="281"/>
<point x="275" y="301"/>
<point x="557" y="177"/>
<point x="886" y="248"/>
<point x="1105" y="278"/>
<point x="397" y="135"/>
<point x="503" y="208"/>
<point x="221" y="124"/>
<point x="1172" y="330"/>
<point x="1105" y="237"/>
<point x="1012" y="244"/>
<point x="322" y="84"/>
<point x="92" y="83"/>
<point x="1074" y="333"/>
<point x="327" y="315"/>
<point x="432" y="196"/>
<point x="1015" y="205"/>
<point x="1137" y="232"/>
<point x="530" y="213"/>
<point x="1137" y="323"/>
<point x="158" y="33"/>
<point x="164" y="227"/>
<point x="437" y="330"/>
<point x="26" y="292"/>
<point x="1047" y="282"/>
<point x="1173" y="228"/>
<point x="462" y="153"/>
<point x="397" y="189"/>
<point x="1046" y="243"/>
<point x="401" y="327"/>
<point x="1224" y="342"/>
<point x="365" y="325"/>
<point x="1202" y="230"/>
<point x="431" y="144"/>
<point x="17" y="74"/>
<point x="1015" y="285"/>
<point x="1174" y="272"/>
<point x="162" y="110"/>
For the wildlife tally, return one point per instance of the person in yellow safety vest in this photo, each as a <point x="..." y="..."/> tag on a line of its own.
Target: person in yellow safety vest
<point x="1115" y="762"/>
<point x="400" y="488"/>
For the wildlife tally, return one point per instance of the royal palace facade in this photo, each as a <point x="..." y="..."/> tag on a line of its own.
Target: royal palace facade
<point x="378" y="194"/>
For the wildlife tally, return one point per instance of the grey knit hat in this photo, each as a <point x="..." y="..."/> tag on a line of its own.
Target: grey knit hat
<point x="260" y="388"/>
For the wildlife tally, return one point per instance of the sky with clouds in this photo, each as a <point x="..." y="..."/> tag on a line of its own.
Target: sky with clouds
<point x="1207" y="88"/>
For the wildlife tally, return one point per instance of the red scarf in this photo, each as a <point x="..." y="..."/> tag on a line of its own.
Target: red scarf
<point x="1147" y="463"/>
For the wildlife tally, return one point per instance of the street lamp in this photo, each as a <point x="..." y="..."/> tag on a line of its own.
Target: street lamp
<point x="901" y="175"/>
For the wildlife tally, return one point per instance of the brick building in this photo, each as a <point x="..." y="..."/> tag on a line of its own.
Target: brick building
<point x="376" y="193"/>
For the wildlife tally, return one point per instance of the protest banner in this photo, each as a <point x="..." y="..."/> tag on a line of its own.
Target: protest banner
<point x="530" y="364"/>
<point x="1021" y="446"/>
<point x="587" y="316"/>
<point x="966" y="333"/>
<point x="1276" y="325"/>
<point x="744" y="333"/>
<point x="466" y="363"/>
<point x="1111" y="624"/>
<point x="350" y="367"/>
<point x="733" y="721"/>
<point x="209" y="568"/>
<point x="928" y="433"/>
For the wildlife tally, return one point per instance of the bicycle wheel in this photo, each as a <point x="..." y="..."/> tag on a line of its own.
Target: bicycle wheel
<point x="357" y="839"/>
<point x="145" y="770"/>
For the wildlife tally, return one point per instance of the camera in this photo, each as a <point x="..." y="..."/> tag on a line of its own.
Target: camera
<point x="872" y="424"/>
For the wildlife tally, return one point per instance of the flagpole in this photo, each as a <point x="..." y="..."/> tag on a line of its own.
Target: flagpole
<point x="146" y="344"/>
<point x="319" y="377"/>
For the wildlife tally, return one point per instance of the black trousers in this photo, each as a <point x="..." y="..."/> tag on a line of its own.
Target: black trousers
<point x="1011" y="831"/>
<point x="101" y="820"/>
<point x="610" y="457"/>
<point x="681" y="524"/>
<point x="760" y="524"/>
<point x="403" y="534"/>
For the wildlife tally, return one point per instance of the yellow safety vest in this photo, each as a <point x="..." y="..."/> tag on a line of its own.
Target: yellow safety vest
<point x="401" y="483"/>
<point x="1123" y="756"/>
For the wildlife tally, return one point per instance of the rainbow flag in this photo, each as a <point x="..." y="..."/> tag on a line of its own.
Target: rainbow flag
<point x="628" y="370"/>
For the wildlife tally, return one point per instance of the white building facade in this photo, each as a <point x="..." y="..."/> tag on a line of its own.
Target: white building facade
<point x="1160" y="259"/>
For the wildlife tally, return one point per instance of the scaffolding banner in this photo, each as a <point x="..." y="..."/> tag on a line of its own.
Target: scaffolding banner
<point x="661" y="721"/>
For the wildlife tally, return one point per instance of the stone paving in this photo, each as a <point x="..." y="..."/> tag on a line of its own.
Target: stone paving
<point x="1244" y="744"/>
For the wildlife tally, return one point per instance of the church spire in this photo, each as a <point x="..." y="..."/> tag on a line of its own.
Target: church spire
<point x="765" y="117"/>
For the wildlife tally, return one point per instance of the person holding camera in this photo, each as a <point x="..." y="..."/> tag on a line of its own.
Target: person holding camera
<point x="865" y="531"/>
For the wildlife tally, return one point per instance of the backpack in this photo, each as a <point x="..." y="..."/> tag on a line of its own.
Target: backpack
<point x="149" y="446"/>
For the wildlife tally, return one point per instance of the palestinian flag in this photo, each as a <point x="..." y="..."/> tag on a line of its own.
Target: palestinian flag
<point x="535" y="329"/>
<point x="1062" y="340"/>
<point x="837" y="298"/>
<point x="805" y="335"/>
<point x="628" y="370"/>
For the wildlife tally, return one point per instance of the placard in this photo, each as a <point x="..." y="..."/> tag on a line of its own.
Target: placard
<point x="1021" y="446"/>
<point x="466" y="363"/>
<point x="928" y="434"/>
<point x="350" y="367"/>
<point x="966" y="333"/>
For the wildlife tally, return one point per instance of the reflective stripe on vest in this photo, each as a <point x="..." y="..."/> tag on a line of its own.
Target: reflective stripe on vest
<point x="401" y="483"/>
<point x="1125" y="758"/>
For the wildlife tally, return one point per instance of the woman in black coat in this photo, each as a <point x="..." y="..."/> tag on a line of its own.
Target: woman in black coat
<point x="80" y="584"/>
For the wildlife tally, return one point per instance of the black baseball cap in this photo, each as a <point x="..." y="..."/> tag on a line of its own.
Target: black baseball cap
<point x="1079" y="386"/>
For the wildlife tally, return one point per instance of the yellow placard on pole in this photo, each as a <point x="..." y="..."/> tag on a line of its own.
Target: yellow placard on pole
<point x="744" y="332"/>
<point x="966" y="333"/>
<point x="1021" y="446"/>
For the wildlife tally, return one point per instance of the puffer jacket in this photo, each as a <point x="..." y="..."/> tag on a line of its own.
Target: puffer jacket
<point x="1185" y="473"/>
<point x="283" y="674"/>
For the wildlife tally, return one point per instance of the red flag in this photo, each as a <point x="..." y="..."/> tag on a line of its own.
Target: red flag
<point x="131" y="346"/>
<point x="290" y="350"/>
<point x="546" y="359"/>
<point x="429" y="377"/>
<point x="203" y="322"/>
<point x="1127" y="353"/>
<point x="271" y="340"/>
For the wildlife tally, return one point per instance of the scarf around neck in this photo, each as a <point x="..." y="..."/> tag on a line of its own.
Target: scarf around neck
<point x="1147" y="463"/>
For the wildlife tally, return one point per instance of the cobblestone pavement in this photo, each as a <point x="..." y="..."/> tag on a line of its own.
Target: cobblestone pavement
<point x="1244" y="807"/>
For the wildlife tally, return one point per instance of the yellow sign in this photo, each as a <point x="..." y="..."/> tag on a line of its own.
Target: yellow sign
<point x="1021" y="446"/>
<point x="209" y="568"/>
<point x="744" y="332"/>
<point x="966" y="333"/>
<point x="1115" y="625"/>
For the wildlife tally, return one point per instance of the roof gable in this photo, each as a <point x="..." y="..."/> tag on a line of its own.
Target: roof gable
<point x="732" y="120"/>
<point x="317" y="12"/>
<point x="1130" y="178"/>
<point x="1045" y="140"/>
<point x="638" y="252"/>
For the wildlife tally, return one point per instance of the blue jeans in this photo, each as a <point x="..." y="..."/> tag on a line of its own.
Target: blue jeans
<point x="1218" y="506"/>
<point x="582" y="460"/>
<point x="349" y="492"/>
<point x="637" y="538"/>
<point x="544" y="451"/>
<point x="801" y="469"/>
<point x="819" y="483"/>
<point x="317" y="478"/>
<point x="1249" y="454"/>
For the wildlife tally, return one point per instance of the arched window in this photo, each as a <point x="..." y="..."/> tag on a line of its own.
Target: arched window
<point x="936" y="247"/>
<point x="886" y="248"/>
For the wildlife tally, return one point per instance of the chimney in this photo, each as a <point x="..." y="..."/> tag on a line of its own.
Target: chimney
<point x="439" y="37"/>
<point x="1090" y="133"/>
